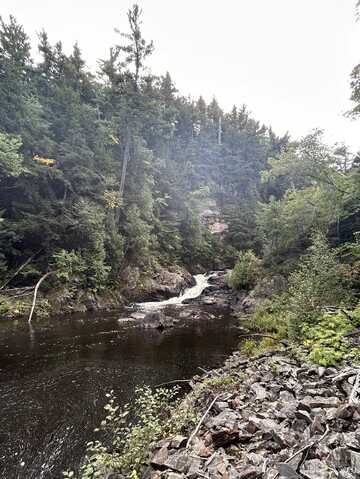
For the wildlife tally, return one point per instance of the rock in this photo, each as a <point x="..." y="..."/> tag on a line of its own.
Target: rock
<point x="288" y="411"/>
<point x="224" y="437"/>
<point x="339" y="458"/>
<point x="345" y="412"/>
<point x="179" y="461"/>
<point x="224" y="420"/>
<point x="302" y="414"/>
<point x="125" y="320"/>
<point x="252" y="427"/>
<point x="220" y="406"/>
<point x="178" y="441"/>
<point x="315" y="469"/>
<point x="167" y="283"/>
<point x="287" y="472"/>
<point x="259" y="391"/>
<point x="217" y="469"/>
<point x="174" y="475"/>
<point x="314" y="402"/>
<point x="200" y="448"/>
<point x="248" y="473"/>
<point x="355" y="462"/>
<point x="155" y="320"/>
<point x="286" y="396"/>
<point x="155" y="475"/>
<point x="291" y="409"/>
<point x="160" y="458"/>
<point x="316" y="426"/>
<point x="138" y="316"/>
<point x="248" y="304"/>
<point x="255" y="459"/>
<point x="334" y="439"/>
<point x="243" y="437"/>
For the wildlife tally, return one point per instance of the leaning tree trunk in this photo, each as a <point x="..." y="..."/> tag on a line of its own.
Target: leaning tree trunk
<point x="36" y="291"/>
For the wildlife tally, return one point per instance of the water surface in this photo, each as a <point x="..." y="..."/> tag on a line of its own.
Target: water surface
<point x="54" y="377"/>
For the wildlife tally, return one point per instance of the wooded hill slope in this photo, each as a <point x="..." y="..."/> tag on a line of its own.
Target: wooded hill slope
<point x="99" y="172"/>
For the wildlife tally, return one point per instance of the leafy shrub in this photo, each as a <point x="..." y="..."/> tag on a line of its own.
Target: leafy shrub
<point x="220" y="381"/>
<point x="253" y="348"/>
<point x="269" y="317"/>
<point x="156" y="414"/>
<point x="68" y="264"/>
<point x="246" y="271"/>
<point x="315" y="284"/>
<point x="326" y="339"/>
<point x="5" y="305"/>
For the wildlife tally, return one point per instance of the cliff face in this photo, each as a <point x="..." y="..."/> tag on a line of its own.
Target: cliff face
<point x="213" y="220"/>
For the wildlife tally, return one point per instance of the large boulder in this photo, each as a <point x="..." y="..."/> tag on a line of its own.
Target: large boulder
<point x="157" y="320"/>
<point x="166" y="283"/>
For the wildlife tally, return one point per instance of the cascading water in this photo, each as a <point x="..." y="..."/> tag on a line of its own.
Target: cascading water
<point x="202" y="282"/>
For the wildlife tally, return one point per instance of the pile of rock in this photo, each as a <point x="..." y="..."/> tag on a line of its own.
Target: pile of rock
<point x="279" y="419"/>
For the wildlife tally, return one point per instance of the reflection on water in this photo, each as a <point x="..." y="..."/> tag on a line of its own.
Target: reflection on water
<point x="53" y="380"/>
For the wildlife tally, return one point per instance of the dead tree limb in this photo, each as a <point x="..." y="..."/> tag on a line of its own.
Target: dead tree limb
<point x="19" y="269"/>
<point x="305" y="449"/>
<point x="176" y="381"/>
<point x="354" y="396"/>
<point x="202" y="420"/>
<point x="46" y="275"/>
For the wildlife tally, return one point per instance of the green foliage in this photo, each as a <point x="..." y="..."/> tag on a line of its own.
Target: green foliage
<point x="11" y="161"/>
<point x="325" y="339"/>
<point x="18" y="308"/>
<point x="68" y="264"/>
<point x="252" y="348"/>
<point x="269" y="316"/>
<point x="220" y="382"/>
<point x="316" y="283"/>
<point x="310" y="187"/>
<point x="246" y="271"/>
<point x="155" y="414"/>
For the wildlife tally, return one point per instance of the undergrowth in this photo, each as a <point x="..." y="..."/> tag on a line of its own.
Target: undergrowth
<point x="155" y="415"/>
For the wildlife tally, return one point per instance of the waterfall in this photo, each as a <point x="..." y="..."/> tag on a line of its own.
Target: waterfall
<point x="189" y="293"/>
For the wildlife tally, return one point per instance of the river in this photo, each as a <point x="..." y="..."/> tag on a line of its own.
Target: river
<point x="54" y="377"/>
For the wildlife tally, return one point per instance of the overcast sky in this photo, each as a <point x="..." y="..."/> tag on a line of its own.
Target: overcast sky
<point x="289" y="61"/>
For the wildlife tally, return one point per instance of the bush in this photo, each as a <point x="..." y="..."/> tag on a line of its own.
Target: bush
<point x="253" y="348"/>
<point x="269" y="317"/>
<point x="315" y="284"/>
<point x="326" y="340"/>
<point x="156" y="414"/>
<point x="246" y="271"/>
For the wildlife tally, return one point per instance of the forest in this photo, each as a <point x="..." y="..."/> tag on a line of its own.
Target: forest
<point x="108" y="177"/>
<point x="109" y="171"/>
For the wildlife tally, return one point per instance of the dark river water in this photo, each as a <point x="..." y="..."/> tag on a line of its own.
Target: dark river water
<point x="53" y="380"/>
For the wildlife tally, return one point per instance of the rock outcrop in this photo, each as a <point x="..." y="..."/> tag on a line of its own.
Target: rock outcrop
<point x="166" y="283"/>
<point x="275" y="419"/>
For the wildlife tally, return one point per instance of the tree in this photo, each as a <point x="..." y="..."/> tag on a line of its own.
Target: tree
<point x="316" y="283"/>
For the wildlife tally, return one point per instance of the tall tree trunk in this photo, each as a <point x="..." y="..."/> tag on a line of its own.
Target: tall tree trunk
<point x="125" y="163"/>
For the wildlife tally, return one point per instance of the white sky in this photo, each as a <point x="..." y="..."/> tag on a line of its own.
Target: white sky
<point x="288" y="60"/>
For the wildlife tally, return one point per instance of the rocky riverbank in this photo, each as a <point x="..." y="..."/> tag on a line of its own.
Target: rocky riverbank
<point x="269" y="417"/>
<point x="134" y="286"/>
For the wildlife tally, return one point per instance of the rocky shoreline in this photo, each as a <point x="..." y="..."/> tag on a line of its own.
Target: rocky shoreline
<point x="269" y="417"/>
<point x="135" y="286"/>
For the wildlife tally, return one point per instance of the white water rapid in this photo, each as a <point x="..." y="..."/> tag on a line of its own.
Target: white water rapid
<point x="189" y="293"/>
